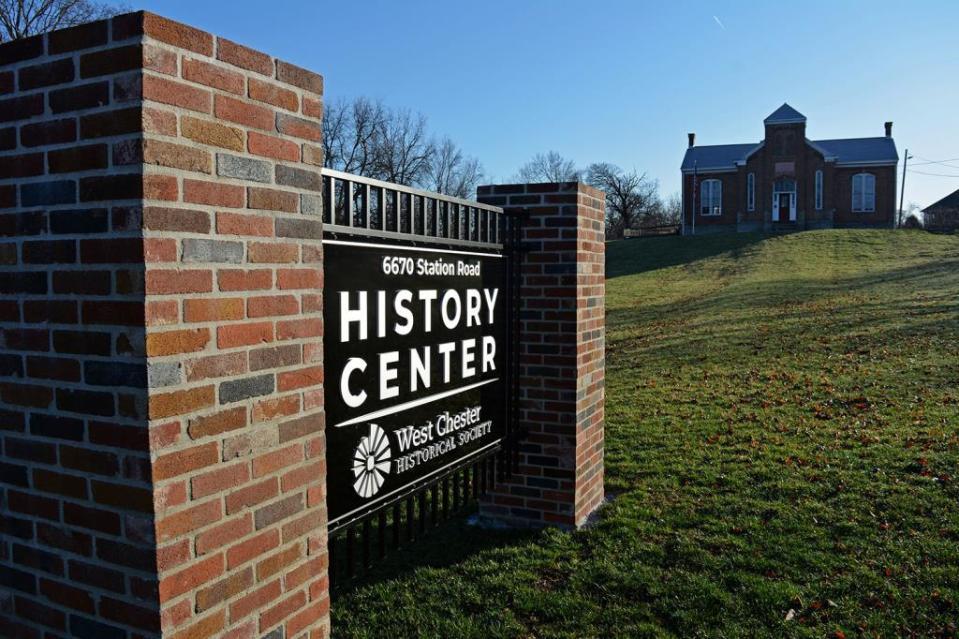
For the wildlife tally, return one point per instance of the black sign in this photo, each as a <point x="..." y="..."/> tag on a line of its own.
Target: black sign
<point x="415" y="367"/>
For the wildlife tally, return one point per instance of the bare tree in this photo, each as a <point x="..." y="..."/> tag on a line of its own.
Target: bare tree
<point x="351" y="131"/>
<point x="451" y="172"/>
<point x="629" y="195"/>
<point x="673" y="209"/>
<point x="364" y="137"/>
<point x="402" y="148"/>
<point x="548" y="167"/>
<point x="24" y="18"/>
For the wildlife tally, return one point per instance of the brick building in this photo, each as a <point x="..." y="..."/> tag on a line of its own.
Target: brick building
<point x="789" y="182"/>
<point x="943" y="216"/>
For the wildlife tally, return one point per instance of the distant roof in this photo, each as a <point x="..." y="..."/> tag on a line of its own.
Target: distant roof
<point x="784" y="115"/>
<point x="951" y="201"/>
<point x="853" y="151"/>
<point x="861" y="150"/>
<point x="721" y="156"/>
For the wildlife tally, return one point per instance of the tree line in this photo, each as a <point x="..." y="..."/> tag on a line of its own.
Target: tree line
<point x="633" y="199"/>
<point x="24" y="18"/>
<point x="364" y="137"/>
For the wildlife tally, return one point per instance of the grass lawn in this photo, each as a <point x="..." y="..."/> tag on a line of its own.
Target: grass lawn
<point x="782" y="449"/>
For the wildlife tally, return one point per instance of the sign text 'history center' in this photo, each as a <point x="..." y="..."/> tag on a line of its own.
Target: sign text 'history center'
<point x="415" y="357"/>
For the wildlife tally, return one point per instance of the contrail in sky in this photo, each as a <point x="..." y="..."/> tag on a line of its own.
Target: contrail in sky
<point x="719" y="22"/>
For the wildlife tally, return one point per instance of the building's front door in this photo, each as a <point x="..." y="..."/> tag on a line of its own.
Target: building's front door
<point x="784" y="201"/>
<point x="785" y="208"/>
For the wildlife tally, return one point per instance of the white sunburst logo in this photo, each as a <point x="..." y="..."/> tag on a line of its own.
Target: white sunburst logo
<point x="371" y="462"/>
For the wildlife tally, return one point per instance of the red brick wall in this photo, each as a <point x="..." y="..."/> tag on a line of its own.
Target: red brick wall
<point x="886" y="204"/>
<point x="562" y="350"/>
<point x="162" y="466"/>
<point x="76" y="505"/>
<point x="731" y="198"/>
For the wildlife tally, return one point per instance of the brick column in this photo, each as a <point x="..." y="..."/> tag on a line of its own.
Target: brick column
<point x="162" y="470"/>
<point x="562" y="355"/>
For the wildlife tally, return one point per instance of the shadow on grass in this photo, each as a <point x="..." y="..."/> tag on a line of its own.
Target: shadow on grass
<point x="776" y="297"/>
<point x="446" y="544"/>
<point x="628" y="257"/>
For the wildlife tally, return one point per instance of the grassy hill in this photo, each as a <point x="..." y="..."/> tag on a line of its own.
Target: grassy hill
<point x="782" y="446"/>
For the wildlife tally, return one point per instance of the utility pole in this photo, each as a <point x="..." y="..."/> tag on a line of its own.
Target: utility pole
<point x="902" y="192"/>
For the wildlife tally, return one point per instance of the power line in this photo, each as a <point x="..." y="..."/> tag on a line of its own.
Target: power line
<point x="952" y="175"/>
<point x="942" y="162"/>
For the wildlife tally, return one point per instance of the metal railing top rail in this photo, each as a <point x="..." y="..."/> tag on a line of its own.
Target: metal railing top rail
<point x="359" y="205"/>
<point x="340" y="175"/>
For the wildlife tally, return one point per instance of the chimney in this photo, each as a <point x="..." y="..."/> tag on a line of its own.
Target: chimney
<point x="692" y="139"/>
<point x="888" y="129"/>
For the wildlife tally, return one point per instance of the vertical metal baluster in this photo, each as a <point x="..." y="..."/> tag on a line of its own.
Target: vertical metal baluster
<point x="382" y="536"/>
<point x="367" y="204"/>
<point x="423" y="512"/>
<point x="367" y="534"/>
<point x="327" y="209"/>
<point x="382" y="208"/>
<point x="482" y="477"/>
<point x="398" y="203"/>
<point x="348" y="201"/>
<point x="418" y="229"/>
<point x="475" y="477"/>
<point x="410" y="524"/>
<point x="332" y="555"/>
<point x="446" y="498"/>
<point x="396" y="525"/>
<point x="350" y="543"/>
<point x="456" y="491"/>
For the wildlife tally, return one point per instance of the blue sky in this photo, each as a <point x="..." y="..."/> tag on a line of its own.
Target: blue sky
<point x="624" y="81"/>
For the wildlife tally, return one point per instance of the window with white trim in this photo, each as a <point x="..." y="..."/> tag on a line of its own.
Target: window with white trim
<point x="751" y="192"/>
<point x="819" y="190"/>
<point x="711" y="196"/>
<point x="864" y="193"/>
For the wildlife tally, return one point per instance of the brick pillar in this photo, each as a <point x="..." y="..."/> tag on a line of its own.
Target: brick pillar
<point x="162" y="470"/>
<point x="562" y="355"/>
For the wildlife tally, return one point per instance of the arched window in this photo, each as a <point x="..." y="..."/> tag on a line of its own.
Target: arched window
<point x="864" y="193"/>
<point x="819" y="190"/>
<point x="751" y="192"/>
<point x="711" y="196"/>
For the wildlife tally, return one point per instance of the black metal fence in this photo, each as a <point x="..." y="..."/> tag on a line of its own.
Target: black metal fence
<point x="362" y="206"/>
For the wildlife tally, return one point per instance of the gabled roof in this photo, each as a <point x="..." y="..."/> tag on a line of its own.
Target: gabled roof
<point x="951" y="201"/>
<point x="719" y="157"/>
<point x="784" y="115"/>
